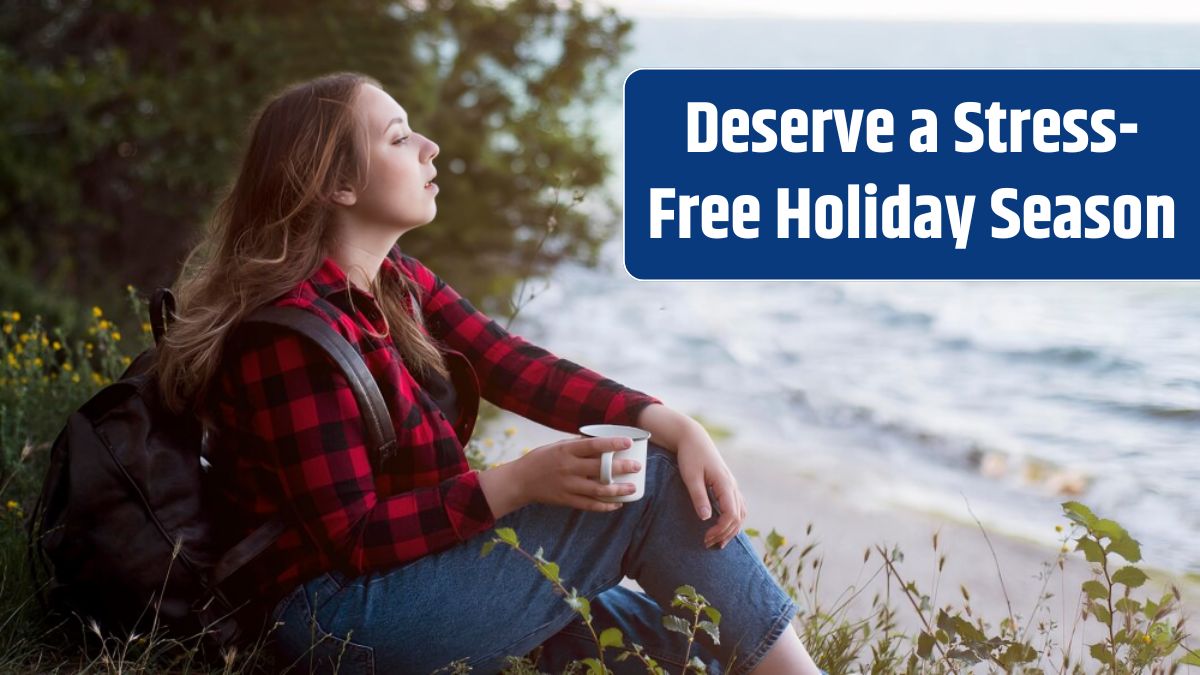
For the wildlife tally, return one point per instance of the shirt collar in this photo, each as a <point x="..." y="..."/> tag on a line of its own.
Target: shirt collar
<point x="330" y="278"/>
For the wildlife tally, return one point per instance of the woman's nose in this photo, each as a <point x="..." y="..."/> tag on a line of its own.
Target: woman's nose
<point x="431" y="150"/>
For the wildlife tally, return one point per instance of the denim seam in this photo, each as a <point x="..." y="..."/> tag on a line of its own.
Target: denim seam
<point x="362" y="581"/>
<point x="782" y="620"/>
<point x="500" y="651"/>
<point x="322" y="634"/>
<point x="789" y="608"/>
<point x="284" y="604"/>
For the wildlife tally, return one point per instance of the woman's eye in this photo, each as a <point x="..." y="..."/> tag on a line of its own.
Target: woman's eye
<point x="400" y="140"/>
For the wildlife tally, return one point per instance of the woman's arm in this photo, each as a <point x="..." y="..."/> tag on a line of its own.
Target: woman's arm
<point x="517" y="375"/>
<point x="668" y="427"/>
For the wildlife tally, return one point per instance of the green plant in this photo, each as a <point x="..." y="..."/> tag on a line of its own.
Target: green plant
<point x="1139" y="634"/>
<point x="686" y="597"/>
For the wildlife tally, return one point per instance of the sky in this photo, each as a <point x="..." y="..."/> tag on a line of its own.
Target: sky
<point x="1091" y="11"/>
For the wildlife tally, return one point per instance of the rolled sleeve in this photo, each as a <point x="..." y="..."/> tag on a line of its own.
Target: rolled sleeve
<point x="518" y="375"/>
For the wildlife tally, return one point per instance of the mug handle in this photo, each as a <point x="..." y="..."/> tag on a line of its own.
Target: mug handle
<point x="606" y="461"/>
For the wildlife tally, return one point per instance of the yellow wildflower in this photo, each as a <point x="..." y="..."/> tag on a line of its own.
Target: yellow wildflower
<point x="12" y="505"/>
<point x="67" y="366"/>
<point x="19" y="349"/>
<point x="1058" y="528"/>
<point x="25" y="337"/>
<point x="1146" y="638"/>
<point x="16" y="316"/>
<point x="104" y="324"/>
<point x="96" y="378"/>
<point x="8" y="328"/>
<point x="116" y="335"/>
<point x="96" y="312"/>
<point x="57" y="345"/>
<point x="75" y="377"/>
<point x="510" y="431"/>
<point x="45" y="341"/>
<point x="126" y="360"/>
<point x="145" y="326"/>
<point x="37" y="362"/>
<point x="12" y="360"/>
<point x="129" y="287"/>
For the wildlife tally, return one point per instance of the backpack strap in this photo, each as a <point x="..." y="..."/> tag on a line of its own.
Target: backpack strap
<point x="381" y="435"/>
<point x="161" y="299"/>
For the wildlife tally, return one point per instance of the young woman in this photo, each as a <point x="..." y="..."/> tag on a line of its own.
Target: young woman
<point x="379" y="569"/>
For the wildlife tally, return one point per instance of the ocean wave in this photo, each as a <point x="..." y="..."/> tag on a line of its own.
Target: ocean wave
<point x="1158" y="411"/>
<point x="1073" y="355"/>
<point x="947" y="449"/>
<point x="951" y="322"/>
<point x="972" y="456"/>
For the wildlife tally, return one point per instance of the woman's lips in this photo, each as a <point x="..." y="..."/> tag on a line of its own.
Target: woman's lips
<point x="431" y="186"/>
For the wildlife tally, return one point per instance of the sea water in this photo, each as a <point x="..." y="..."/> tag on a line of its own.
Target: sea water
<point x="993" y="399"/>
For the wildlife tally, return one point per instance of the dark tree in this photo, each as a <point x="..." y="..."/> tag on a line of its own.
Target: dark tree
<point x="122" y="120"/>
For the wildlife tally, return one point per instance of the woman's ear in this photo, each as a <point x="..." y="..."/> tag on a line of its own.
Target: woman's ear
<point x="345" y="197"/>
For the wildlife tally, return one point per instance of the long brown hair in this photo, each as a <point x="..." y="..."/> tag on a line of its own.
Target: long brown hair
<point x="271" y="230"/>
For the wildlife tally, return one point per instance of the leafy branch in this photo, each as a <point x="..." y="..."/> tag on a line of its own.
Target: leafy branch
<point x="685" y="596"/>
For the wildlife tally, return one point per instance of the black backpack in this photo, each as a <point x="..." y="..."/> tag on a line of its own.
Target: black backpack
<point x="123" y="532"/>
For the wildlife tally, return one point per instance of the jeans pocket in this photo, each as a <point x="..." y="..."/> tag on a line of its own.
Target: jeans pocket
<point x="307" y="643"/>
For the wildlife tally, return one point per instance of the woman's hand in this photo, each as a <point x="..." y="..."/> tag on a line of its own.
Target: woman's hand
<point x="701" y="465"/>
<point x="567" y="473"/>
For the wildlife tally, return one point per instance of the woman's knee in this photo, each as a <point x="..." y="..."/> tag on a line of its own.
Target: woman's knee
<point x="654" y="450"/>
<point x="664" y="473"/>
<point x="662" y="469"/>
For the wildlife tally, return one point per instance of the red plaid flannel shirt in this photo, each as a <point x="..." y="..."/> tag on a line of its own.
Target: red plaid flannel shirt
<point x="292" y="442"/>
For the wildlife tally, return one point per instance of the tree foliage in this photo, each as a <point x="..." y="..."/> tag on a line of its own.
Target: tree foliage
<point x="123" y="120"/>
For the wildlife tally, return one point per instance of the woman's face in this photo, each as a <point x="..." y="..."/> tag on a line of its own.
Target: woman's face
<point x="399" y="193"/>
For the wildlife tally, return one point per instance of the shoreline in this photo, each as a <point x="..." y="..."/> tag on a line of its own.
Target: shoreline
<point x="790" y="498"/>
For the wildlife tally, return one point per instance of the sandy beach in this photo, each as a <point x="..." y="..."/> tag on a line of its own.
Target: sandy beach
<point x="789" y="498"/>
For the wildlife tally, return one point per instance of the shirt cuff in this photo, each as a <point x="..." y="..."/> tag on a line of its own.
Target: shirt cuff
<point x="630" y="407"/>
<point x="465" y="504"/>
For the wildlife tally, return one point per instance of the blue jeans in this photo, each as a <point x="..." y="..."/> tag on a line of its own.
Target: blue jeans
<point x="454" y="605"/>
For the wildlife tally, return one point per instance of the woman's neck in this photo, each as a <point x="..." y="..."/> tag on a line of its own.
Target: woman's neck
<point x="361" y="260"/>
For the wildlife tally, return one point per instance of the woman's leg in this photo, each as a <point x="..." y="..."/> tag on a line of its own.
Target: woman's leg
<point x="455" y="605"/>
<point x="788" y="657"/>
<point x="667" y="553"/>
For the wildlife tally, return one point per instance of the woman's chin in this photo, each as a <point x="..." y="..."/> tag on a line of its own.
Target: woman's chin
<point x="414" y="224"/>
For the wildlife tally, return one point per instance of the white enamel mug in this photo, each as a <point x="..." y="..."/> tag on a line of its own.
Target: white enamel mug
<point x="636" y="452"/>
